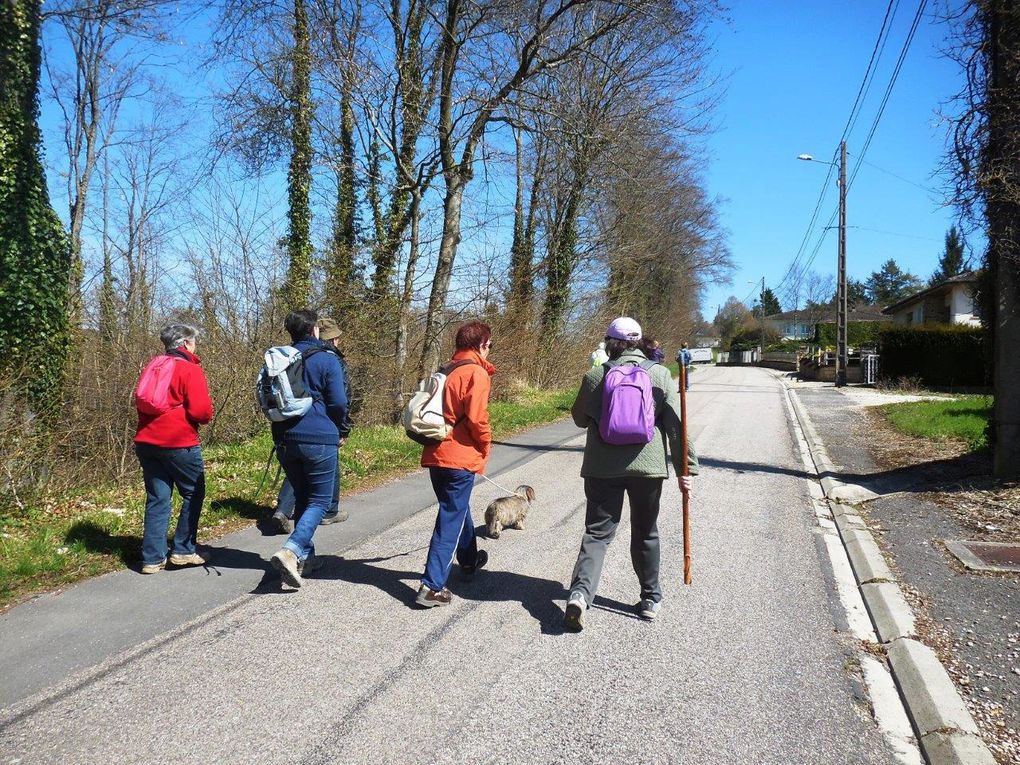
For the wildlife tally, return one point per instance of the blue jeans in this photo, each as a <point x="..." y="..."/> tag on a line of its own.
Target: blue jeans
<point x="162" y="469"/>
<point x="311" y="470"/>
<point x="454" y="532"/>
<point x="285" y="499"/>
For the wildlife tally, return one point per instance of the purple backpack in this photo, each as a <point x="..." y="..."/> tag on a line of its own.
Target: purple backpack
<point x="628" y="410"/>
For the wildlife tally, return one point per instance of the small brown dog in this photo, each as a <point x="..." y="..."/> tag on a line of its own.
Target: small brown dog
<point x="508" y="512"/>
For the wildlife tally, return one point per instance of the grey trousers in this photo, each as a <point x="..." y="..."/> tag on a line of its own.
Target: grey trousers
<point x="602" y="517"/>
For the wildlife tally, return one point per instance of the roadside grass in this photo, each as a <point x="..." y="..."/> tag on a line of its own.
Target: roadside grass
<point x="963" y="419"/>
<point x="63" y="539"/>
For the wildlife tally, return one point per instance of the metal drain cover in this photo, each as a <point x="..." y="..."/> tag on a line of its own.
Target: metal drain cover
<point x="986" y="556"/>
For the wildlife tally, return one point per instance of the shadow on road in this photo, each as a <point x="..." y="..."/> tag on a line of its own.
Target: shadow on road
<point x="750" y="467"/>
<point x="538" y="596"/>
<point x="94" y="538"/>
<point x="964" y="473"/>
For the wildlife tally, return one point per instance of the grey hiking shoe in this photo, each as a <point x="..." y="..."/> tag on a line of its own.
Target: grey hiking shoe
<point x="154" y="568"/>
<point x="573" y="615"/>
<point x="187" y="559"/>
<point x="648" y="609"/>
<point x="283" y="523"/>
<point x="309" y="565"/>
<point x="338" y="517"/>
<point x="286" y="563"/>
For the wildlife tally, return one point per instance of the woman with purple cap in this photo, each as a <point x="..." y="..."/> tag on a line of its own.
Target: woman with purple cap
<point x="625" y="453"/>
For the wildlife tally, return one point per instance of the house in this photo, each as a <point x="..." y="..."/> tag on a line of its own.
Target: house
<point x="705" y="341"/>
<point x="800" y="325"/>
<point x="948" y="302"/>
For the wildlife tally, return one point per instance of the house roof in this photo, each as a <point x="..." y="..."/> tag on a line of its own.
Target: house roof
<point x="968" y="277"/>
<point x="855" y="313"/>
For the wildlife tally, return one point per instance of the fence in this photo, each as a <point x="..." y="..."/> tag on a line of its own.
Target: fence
<point x="869" y="368"/>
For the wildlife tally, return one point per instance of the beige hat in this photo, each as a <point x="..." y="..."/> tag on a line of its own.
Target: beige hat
<point x="328" y="329"/>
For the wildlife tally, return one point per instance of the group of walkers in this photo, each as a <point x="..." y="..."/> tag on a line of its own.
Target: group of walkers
<point x="627" y="403"/>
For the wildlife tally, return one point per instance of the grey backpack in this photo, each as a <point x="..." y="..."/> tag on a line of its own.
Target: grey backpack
<point x="280" y="387"/>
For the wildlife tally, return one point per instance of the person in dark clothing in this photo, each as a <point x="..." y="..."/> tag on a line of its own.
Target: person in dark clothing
<point x="307" y="446"/>
<point x="329" y="334"/>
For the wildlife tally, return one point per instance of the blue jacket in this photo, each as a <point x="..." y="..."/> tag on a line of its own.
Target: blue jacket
<point x="324" y="380"/>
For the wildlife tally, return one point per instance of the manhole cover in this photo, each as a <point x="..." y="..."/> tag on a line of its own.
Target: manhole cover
<point x="986" y="556"/>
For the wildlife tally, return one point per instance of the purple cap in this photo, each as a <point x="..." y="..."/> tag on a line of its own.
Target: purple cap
<point x="624" y="328"/>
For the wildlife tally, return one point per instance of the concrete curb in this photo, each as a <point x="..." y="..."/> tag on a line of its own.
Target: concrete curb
<point x="944" y="727"/>
<point x="890" y="613"/>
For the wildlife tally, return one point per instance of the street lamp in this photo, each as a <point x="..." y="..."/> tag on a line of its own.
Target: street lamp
<point x="842" y="355"/>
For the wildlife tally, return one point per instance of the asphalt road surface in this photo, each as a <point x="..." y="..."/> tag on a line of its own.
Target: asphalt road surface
<point x="753" y="663"/>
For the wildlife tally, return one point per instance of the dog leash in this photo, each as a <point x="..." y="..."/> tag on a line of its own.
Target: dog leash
<point x="503" y="488"/>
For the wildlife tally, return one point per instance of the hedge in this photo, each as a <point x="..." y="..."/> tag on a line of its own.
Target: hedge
<point x="940" y="355"/>
<point x="858" y="333"/>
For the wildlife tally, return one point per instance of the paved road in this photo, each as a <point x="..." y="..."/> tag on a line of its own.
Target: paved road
<point x="751" y="664"/>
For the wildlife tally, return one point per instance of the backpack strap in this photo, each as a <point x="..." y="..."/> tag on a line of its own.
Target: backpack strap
<point x="449" y="367"/>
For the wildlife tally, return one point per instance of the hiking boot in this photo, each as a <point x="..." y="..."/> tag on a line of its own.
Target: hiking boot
<point x="309" y="565"/>
<point x="154" y="568"/>
<point x="337" y="517"/>
<point x="284" y="524"/>
<point x="648" y="609"/>
<point x="187" y="559"/>
<point x="431" y="598"/>
<point x="286" y="562"/>
<point x="573" y="615"/>
<point x="481" y="560"/>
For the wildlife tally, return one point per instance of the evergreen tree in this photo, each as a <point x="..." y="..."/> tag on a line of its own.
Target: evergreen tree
<point x="35" y="259"/>
<point x="772" y="305"/>
<point x="856" y="292"/>
<point x="951" y="261"/>
<point x="890" y="283"/>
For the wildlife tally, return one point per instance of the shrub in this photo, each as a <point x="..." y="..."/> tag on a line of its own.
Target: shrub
<point x="858" y="333"/>
<point x="940" y="355"/>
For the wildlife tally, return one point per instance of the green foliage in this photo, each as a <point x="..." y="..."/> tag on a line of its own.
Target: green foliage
<point x="940" y="355"/>
<point x="35" y="259"/>
<point x="951" y="262"/>
<point x="890" y="284"/>
<point x="858" y="333"/>
<point x="771" y="303"/>
<point x="964" y="419"/>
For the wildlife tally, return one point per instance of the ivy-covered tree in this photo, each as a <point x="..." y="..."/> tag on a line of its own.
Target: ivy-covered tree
<point x="35" y="258"/>
<point x="951" y="261"/>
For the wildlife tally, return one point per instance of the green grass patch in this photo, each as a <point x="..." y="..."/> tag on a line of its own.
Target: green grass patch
<point x="963" y="419"/>
<point x="59" y="540"/>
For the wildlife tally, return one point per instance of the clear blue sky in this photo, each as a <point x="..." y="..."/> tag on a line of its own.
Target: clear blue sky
<point x="794" y="69"/>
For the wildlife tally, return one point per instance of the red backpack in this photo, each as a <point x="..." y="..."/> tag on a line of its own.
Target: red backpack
<point x="152" y="393"/>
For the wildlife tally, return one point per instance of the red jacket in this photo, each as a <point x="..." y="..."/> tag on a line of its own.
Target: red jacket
<point x="189" y="395"/>
<point x="466" y="407"/>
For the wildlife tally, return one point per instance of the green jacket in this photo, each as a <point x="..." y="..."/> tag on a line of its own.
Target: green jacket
<point x="602" y="460"/>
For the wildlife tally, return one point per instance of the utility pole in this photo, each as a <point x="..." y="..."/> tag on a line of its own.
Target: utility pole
<point x="762" y="304"/>
<point x="842" y="355"/>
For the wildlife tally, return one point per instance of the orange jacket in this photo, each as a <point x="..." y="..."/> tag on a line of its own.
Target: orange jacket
<point x="466" y="407"/>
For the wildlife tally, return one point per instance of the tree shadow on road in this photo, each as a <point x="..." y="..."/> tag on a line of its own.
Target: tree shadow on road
<point x="541" y="447"/>
<point x="964" y="473"/>
<point x="750" y="467"/>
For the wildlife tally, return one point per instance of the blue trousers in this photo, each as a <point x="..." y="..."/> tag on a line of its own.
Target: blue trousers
<point x="454" y="532"/>
<point x="311" y="470"/>
<point x="285" y="499"/>
<point x="162" y="470"/>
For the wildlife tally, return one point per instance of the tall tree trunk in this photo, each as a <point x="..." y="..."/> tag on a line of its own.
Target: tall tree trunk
<point x="1003" y="216"/>
<point x="298" y="289"/>
<point x="435" y="319"/>
<point x="340" y="274"/>
<point x="560" y="267"/>
<point x="407" y="294"/>
<point x="35" y="260"/>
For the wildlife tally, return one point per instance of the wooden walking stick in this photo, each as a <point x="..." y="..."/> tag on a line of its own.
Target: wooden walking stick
<point x="684" y="471"/>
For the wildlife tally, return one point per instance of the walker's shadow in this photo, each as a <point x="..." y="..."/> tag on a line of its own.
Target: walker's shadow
<point x="538" y="596"/>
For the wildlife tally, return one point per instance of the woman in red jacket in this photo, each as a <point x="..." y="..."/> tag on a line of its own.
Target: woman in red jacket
<point x="168" y="449"/>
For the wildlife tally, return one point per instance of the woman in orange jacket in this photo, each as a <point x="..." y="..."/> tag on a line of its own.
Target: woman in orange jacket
<point x="454" y="462"/>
